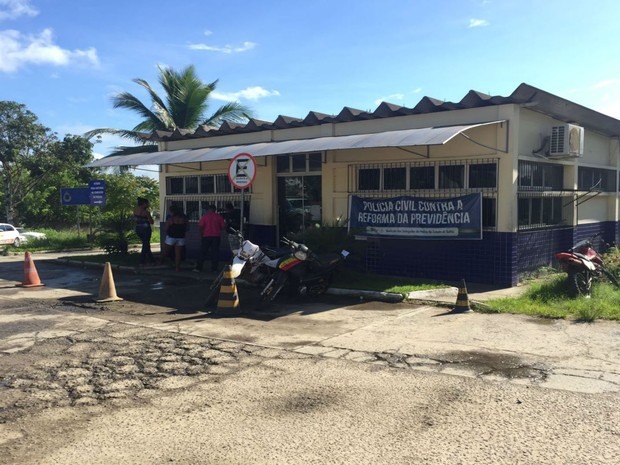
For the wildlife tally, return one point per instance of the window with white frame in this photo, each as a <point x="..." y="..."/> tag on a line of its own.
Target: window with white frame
<point x="433" y="179"/>
<point x="204" y="184"/>
<point x="299" y="163"/>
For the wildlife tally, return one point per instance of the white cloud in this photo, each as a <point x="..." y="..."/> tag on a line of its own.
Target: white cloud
<point x="390" y="98"/>
<point x="207" y="32"/>
<point x="13" y="9"/>
<point x="606" y="83"/>
<point x="18" y="50"/>
<point x="478" y="22"/>
<point x="225" y="49"/>
<point x="249" y="93"/>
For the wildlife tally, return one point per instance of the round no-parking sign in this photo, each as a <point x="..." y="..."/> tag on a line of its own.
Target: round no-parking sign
<point x="242" y="170"/>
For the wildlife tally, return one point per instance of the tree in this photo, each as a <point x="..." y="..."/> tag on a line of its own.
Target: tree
<point x="67" y="157"/>
<point x="23" y="141"/>
<point x="122" y="192"/>
<point x="184" y="106"/>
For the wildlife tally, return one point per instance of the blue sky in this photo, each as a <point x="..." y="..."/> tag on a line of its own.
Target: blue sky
<point x="65" y="59"/>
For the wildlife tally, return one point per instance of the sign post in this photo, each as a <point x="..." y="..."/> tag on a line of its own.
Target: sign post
<point x="241" y="173"/>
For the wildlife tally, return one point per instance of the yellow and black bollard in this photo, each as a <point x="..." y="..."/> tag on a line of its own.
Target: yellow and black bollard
<point x="462" y="300"/>
<point x="228" y="298"/>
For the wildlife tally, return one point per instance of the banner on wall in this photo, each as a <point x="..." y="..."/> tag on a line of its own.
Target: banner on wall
<point x="418" y="217"/>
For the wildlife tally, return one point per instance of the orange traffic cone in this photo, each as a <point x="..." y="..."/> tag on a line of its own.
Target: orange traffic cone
<point x="31" y="277"/>
<point x="107" y="289"/>
<point x="462" y="300"/>
<point x="229" y="298"/>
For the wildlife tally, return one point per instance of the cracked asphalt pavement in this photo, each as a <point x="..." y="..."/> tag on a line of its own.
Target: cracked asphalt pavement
<point x="154" y="379"/>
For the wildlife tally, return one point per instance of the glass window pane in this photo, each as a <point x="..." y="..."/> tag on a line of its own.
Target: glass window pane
<point x="175" y="186"/>
<point x="554" y="175"/>
<point x="283" y="164"/>
<point x="451" y="176"/>
<point x="394" y="178"/>
<point x="191" y="185"/>
<point x="369" y="179"/>
<point x="315" y="161"/>
<point x="488" y="212"/>
<point x="192" y="210"/>
<point x="483" y="175"/>
<point x="525" y="174"/>
<point x="422" y="177"/>
<point x="222" y="184"/>
<point x="299" y="163"/>
<point x="536" y="211"/>
<point x="524" y="211"/>
<point x="207" y="185"/>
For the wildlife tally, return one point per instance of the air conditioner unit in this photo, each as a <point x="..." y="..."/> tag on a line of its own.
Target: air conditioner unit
<point x="566" y="141"/>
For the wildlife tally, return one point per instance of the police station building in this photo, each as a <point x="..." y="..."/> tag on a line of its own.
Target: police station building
<point x="483" y="189"/>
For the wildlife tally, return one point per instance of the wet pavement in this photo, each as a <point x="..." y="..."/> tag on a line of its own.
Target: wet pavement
<point x="325" y="380"/>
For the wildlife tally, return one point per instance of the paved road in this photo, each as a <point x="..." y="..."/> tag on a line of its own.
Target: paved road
<point x="155" y="380"/>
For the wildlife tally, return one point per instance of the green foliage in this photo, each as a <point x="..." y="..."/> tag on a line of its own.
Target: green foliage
<point x="183" y="106"/>
<point x="351" y="279"/>
<point x="549" y="298"/>
<point x="122" y="192"/>
<point x="25" y="144"/>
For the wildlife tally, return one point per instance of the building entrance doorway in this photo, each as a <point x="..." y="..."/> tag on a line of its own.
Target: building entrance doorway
<point x="299" y="203"/>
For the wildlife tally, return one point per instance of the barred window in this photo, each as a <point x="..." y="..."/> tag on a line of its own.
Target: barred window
<point x="369" y="179"/>
<point x="540" y="176"/>
<point x="422" y="177"/>
<point x="207" y="184"/>
<point x="451" y="176"/>
<point x="596" y="178"/>
<point x="174" y="186"/>
<point x="483" y="175"/>
<point x="394" y="178"/>
<point x="537" y="211"/>
<point x="191" y="185"/>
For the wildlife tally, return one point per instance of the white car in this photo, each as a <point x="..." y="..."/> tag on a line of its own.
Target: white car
<point x="26" y="235"/>
<point x="10" y="235"/>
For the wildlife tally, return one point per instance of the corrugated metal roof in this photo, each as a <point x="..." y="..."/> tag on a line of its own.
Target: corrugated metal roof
<point x="536" y="100"/>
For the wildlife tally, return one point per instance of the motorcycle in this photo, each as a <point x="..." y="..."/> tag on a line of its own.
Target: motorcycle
<point x="302" y="272"/>
<point x="584" y="264"/>
<point x="250" y="263"/>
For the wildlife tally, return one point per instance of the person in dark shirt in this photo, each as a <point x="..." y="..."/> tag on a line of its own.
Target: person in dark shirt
<point x="143" y="221"/>
<point x="176" y="227"/>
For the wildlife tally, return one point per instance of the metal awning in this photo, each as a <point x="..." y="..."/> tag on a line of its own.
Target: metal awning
<point x="403" y="138"/>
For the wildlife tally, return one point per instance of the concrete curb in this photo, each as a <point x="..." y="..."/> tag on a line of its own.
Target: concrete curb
<point x="442" y="295"/>
<point x="85" y="264"/>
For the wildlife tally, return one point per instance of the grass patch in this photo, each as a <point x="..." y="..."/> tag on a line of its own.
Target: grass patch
<point x="350" y="279"/>
<point x="59" y="241"/>
<point x="548" y="298"/>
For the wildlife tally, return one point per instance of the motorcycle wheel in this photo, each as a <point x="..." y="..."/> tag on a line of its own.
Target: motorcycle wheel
<point x="580" y="283"/>
<point x="611" y="278"/>
<point x="214" y="291"/>
<point x="271" y="290"/>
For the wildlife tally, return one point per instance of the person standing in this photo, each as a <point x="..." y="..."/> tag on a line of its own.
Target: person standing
<point x="143" y="219"/>
<point x="211" y="226"/>
<point x="176" y="227"/>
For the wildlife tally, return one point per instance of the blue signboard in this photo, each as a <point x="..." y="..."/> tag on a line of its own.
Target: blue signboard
<point x="75" y="196"/>
<point x="97" y="192"/>
<point x="94" y="194"/>
<point x="417" y="217"/>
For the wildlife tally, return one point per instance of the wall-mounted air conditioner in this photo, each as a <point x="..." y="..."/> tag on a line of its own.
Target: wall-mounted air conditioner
<point x="566" y="141"/>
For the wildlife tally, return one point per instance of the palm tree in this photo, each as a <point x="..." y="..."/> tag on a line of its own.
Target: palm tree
<point x="185" y="106"/>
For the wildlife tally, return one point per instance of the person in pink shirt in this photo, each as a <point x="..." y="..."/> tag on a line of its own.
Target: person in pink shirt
<point x="211" y="226"/>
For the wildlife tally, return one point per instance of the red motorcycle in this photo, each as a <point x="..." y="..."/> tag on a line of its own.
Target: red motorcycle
<point x="583" y="264"/>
